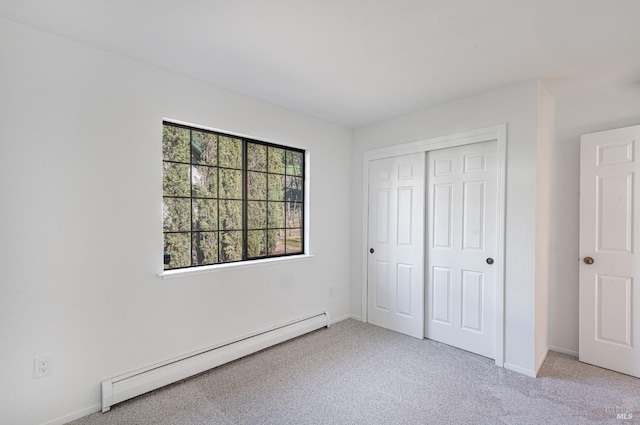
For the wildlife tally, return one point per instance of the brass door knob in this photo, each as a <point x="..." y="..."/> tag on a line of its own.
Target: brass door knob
<point x="588" y="260"/>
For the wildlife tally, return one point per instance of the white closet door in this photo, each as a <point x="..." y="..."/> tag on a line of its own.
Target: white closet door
<point x="461" y="243"/>
<point x="396" y="244"/>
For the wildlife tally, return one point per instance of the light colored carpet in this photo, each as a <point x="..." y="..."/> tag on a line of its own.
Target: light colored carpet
<point x="356" y="373"/>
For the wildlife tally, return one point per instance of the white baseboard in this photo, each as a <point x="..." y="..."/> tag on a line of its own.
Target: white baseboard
<point x="75" y="415"/>
<point x="137" y="382"/>
<point x="563" y="351"/>
<point x="521" y="370"/>
<point x="340" y="319"/>
<point x="345" y="317"/>
<point x="541" y="362"/>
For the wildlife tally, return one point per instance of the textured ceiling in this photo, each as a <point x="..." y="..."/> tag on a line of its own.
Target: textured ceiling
<point x="354" y="62"/>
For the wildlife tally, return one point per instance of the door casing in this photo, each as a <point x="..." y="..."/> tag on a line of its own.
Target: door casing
<point x="496" y="133"/>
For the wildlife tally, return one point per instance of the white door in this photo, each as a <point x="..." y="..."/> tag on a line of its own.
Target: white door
<point x="609" y="266"/>
<point x="461" y="247"/>
<point x="396" y="244"/>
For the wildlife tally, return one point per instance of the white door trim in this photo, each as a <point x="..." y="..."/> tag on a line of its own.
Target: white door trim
<point x="497" y="133"/>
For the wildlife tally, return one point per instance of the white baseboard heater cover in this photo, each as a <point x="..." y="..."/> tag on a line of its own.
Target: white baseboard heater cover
<point x="133" y="384"/>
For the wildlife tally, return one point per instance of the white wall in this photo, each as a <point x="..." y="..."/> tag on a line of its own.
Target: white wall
<point x="81" y="227"/>
<point x="601" y="107"/>
<point x="517" y="106"/>
<point x="546" y="115"/>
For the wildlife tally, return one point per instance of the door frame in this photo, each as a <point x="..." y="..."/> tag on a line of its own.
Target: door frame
<point x="497" y="133"/>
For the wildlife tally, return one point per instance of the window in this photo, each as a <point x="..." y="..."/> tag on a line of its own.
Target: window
<point x="228" y="198"/>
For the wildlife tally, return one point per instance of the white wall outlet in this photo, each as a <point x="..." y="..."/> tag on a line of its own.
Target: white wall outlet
<point x="331" y="291"/>
<point x="42" y="365"/>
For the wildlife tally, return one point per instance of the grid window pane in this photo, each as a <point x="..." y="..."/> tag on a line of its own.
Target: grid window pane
<point x="204" y="148"/>
<point x="257" y="186"/>
<point x="275" y="214"/>
<point x="205" y="248"/>
<point x="204" y="181"/>
<point x="175" y="144"/>
<point x="230" y="153"/>
<point x="230" y="246"/>
<point x="275" y="242"/>
<point x="175" y="179"/>
<point x="293" y="189"/>
<point x="256" y="243"/>
<point x="256" y="215"/>
<point x="294" y="215"/>
<point x="230" y="184"/>
<point x="276" y="187"/>
<point x="256" y="157"/>
<point x="178" y="245"/>
<point x="276" y="160"/>
<point x="294" y="241"/>
<point x="176" y="213"/>
<point x="295" y="163"/>
<point x="230" y="215"/>
<point x="205" y="214"/>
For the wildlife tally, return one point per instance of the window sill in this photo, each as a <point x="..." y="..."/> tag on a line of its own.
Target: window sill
<point x="173" y="274"/>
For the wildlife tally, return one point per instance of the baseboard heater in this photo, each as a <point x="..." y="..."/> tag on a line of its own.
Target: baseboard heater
<point x="133" y="384"/>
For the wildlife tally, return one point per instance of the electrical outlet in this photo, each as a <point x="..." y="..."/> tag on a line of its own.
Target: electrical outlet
<point x="42" y="366"/>
<point x="331" y="291"/>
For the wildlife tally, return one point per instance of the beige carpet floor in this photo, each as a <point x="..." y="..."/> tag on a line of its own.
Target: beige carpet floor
<point x="356" y="373"/>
